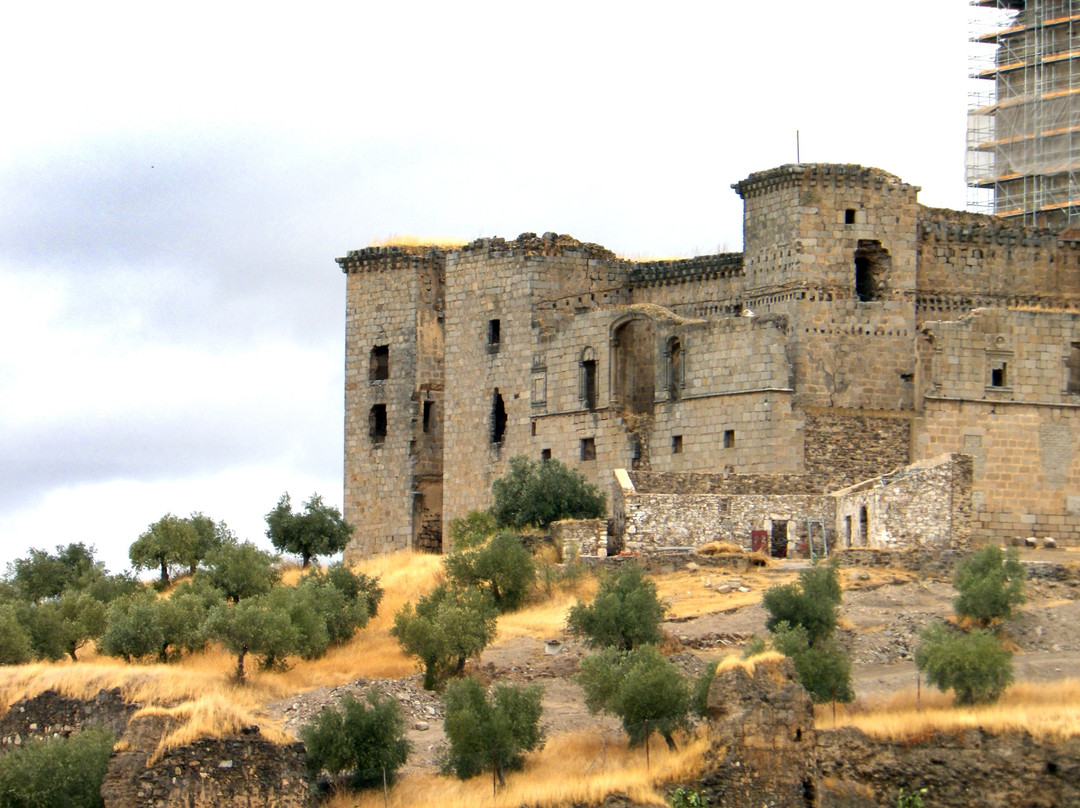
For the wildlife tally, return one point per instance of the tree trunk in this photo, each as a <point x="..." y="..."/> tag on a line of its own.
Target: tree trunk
<point x="306" y="559"/>
<point x="670" y="742"/>
<point x="164" y="573"/>
<point x="240" y="664"/>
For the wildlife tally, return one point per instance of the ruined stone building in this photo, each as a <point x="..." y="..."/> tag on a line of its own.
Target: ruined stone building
<point x="782" y="392"/>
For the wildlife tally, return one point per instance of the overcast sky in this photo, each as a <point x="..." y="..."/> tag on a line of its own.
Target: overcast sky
<point x="176" y="181"/>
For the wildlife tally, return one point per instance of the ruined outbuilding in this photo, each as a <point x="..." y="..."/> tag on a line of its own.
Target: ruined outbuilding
<point x="858" y="333"/>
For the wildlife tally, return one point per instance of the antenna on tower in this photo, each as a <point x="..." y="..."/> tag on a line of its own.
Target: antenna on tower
<point x="797" y="160"/>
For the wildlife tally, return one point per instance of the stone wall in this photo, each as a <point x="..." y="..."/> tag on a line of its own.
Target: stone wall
<point x="233" y="772"/>
<point x="844" y="447"/>
<point x="761" y="725"/>
<point x="393" y="367"/>
<point x="50" y="715"/>
<point x="733" y="507"/>
<point x="582" y="537"/>
<point x="958" y="770"/>
<point x="922" y="505"/>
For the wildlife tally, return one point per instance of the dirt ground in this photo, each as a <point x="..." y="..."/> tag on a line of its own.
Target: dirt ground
<point x="881" y="615"/>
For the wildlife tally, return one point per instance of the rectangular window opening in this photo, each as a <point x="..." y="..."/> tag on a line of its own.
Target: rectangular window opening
<point x="588" y="448"/>
<point x="588" y="369"/>
<point x="729" y="438"/>
<point x="377" y="423"/>
<point x="429" y="408"/>
<point x="494" y="335"/>
<point x="545" y="455"/>
<point x="999" y="375"/>
<point x="380" y="363"/>
<point x="849" y="216"/>
<point x="676" y="444"/>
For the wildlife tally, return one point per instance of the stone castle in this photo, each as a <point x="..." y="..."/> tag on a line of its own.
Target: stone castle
<point x="865" y="372"/>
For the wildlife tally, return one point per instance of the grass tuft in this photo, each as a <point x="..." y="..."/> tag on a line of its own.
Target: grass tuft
<point x="572" y="769"/>
<point x="1047" y="710"/>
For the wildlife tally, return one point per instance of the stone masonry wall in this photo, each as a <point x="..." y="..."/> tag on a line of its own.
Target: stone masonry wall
<point x="649" y="522"/>
<point x="923" y="505"/>
<point x="844" y="447"/>
<point x="393" y="298"/>
<point x="50" y="715"/>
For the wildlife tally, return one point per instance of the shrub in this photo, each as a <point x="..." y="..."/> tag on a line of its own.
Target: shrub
<point x="241" y="570"/>
<point x="537" y="494"/>
<point x="699" y="699"/>
<point x="625" y="613"/>
<point x="363" y="741"/>
<point x="813" y="602"/>
<point x="824" y="668"/>
<point x="973" y="665"/>
<point x="59" y="773"/>
<point x="685" y="798"/>
<point x="133" y="630"/>
<point x="445" y="628"/>
<point x="990" y="584"/>
<point x="495" y="732"/>
<point x="14" y="639"/>
<point x="641" y="687"/>
<point x="501" y="566"/>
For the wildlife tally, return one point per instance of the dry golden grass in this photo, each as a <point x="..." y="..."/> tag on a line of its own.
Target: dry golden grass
<point x="719" y="548"/>
<point x="687" y="596"/>
<point x="212" y="715"/>
<point x="573" y="768"/>
<point x="1047" y="710"/>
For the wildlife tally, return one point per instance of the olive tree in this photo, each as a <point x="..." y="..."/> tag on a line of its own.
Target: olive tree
<point x="625" y="613"/>
<point x="318" y="530"/>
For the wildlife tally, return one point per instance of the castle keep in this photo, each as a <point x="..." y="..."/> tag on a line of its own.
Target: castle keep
<point x="858" y="333"/>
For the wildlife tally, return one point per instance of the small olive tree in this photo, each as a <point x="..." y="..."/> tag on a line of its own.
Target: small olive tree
<point x="625" y="613"/>
<point x="990" y="583"/>
<point x="363" y="741"/>
<point x="975" y="665"/>
<point x="493" y="732"/>
<point x="537" y="494"/>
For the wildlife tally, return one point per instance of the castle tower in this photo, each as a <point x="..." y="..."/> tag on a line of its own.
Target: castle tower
<point x="393" y="398"/>
<point x="1024" y="121"/>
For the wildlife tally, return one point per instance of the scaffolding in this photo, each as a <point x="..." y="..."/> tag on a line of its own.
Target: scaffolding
<point x="1023" y="145"/>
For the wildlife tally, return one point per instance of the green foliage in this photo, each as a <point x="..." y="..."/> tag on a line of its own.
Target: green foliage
<point x="356" y="586"/>
<point x="641" y="687"/>
<point x="491" y="732"/>
<point x="361" y="740"/>
<point x="685" y="798"/>
<point x="471" y="530"/>
<point x="14" y="638"/>
<point x="211" y="535"/>
<point x="813" y="602"/>
<point x="990" y="584"/>
<point x="446" y="627"/>
<point x="973" y="665"/>
<point x="133" y="630"/>
<point x="625" y="613"/>
<point x="755" y="646"/>
<point x="241" y="570"/>
<point x="537" y="494"/>
<point x="317" y="531"/>
<point x="167" y="543"/>
<point x="699" y="697"/>
<point x="44" y="576"/>
<point x="59" y="773"/>
<point x="255" y="625"/>
<point x="912" y="800"/>
<point x="824" y="668"/>
<point x="501" y="567"/>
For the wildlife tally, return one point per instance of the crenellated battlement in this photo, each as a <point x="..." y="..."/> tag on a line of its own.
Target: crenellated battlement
<point x="809" y="174"/>
<point x="393" y="257"/>
<point x="700" y="268"/>
<point x="961" y="227"/>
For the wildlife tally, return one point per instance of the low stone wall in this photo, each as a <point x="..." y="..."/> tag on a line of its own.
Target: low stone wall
<point x="234" y="772"/>
<point x="913" y="559"/>
<point x="50" y="715"/>
<point x="588" y="537"/>
<point x="958" y="770"/>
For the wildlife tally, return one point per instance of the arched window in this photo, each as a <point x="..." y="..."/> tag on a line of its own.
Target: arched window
<point x="587" y="379"/>
<point x="676" y="368"/>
